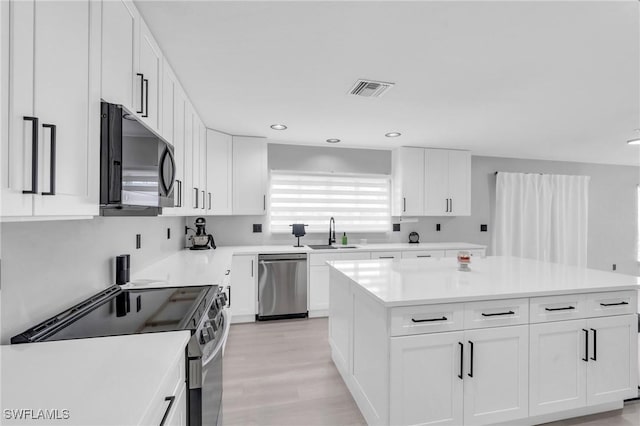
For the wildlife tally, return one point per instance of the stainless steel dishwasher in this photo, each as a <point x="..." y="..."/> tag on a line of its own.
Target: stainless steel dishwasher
<point x="282" y="286"/>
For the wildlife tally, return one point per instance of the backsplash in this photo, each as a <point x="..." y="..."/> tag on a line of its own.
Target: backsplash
<point x="49" y="266"/>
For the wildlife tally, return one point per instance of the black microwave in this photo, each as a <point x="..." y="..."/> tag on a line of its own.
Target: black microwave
<point x="137" y="166"/>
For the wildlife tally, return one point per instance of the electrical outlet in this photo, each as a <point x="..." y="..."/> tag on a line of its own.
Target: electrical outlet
<point x="614" y="266"/>
<point x="438" y="227"/>
<point x="483" y="228"/>
<point x="138" y="241"/>
<point x="396" y="227"/>
<point x="168" y="233"/>
<point x="257" y="227"/>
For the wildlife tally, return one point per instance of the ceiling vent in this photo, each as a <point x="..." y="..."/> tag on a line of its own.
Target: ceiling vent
<point x="370" y="88"/>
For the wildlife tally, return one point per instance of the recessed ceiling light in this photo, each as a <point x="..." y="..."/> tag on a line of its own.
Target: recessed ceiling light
<point x="278" y="127"/>
<point x="333" y="140"/>
<point x="392" y="134"/>
<point x="635" y="140"/>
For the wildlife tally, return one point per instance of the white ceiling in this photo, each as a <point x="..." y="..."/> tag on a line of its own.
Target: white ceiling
<point x="527" y="79"/>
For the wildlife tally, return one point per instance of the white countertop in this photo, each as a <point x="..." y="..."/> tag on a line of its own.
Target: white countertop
<point x="101" y="381"/>
<point x="208" y="267"/>
<point x="427" y="281"/>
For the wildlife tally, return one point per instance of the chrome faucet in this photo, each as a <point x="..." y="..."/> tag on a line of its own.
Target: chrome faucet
<point x="332" y="231"/>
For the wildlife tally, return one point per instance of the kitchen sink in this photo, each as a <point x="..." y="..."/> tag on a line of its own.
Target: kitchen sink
<point x="328" y="247"/>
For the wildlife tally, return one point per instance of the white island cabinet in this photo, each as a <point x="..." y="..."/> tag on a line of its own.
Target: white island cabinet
<point x="513" y="341"/>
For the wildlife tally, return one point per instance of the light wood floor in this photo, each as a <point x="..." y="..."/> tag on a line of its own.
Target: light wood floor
<point x="281" y="373"/>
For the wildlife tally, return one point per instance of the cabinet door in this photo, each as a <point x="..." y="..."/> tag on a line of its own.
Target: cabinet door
<point x="219" y="172"/>
<point x="202" y="131"/>
<point x="17" y="53"/>
<point x="496" y="387"/>
<point x="459" y="183"/>
<point x="558" y="371"/>
<point x="436" y="166"/>
<point x="249" y="182"/>
<point x="67" y="102"/>
<point x="182" y="165"/>
<point x="318" y="288"/>
<point x="169" y="88"/>
<point x="425" y="383"/>
<point x="244" y="272"/>
<point x="612" y="371"/>
<point x="190" y="197"/>
<point x="119" y="51"/>
<point x="150" y="67"/>
<point x="409" y="172"/>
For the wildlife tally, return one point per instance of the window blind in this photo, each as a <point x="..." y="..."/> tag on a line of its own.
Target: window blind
<point x="359" y="203"/>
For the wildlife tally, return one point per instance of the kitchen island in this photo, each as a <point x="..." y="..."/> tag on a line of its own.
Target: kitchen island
<point x="512" y="341"/>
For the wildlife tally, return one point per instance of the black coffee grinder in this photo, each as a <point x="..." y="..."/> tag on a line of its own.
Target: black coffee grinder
<point x="201" y="240"/>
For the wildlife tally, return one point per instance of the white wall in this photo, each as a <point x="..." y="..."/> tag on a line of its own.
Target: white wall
<point x="49" y="266"/>
<point x="612" y="205"/>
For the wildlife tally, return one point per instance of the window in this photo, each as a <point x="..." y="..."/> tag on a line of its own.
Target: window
<point x="359" y="203"/>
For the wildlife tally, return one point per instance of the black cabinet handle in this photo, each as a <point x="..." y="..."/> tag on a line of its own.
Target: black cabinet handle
<point x="52" y="160"/>
<point x="146" y="97"/>
<point x="171" y="400"/>
<point x="450" y="205"/>
<point x="498" y="314"/>
<point x="564" y="308"/>
<point x="586" y="345"/>
<point x="404" y="204"/>
<point x="264" y="203"/>
<point x="251" y="268"/>
<point x="614" y="304"/>
<point x="424" y="255"/>
<point x="461" y="360"/>
<point x="203" y="203"/>
<point x="429" y="319"/>
<point x="386" y="257"/>
<point x="209" y="201"/>
<point x="141" y="93"/>
<point x="179" y="189"/>
<point x="471" y="358"/>
<point x="34" y="155"/>
<point x="229" y="288"/>
<point x="196" y="197"/>
<point x="595" y="344"/>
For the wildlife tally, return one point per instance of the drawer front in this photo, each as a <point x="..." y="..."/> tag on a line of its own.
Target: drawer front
<point x="472" y="252"/>
<point x="320" y="258"/>
<point x="406" y="320"/>
<point x="557" y="308"/>
<point x="612" y="303"/>
<point x="496" y="313"/>
<point x="171" y="384"/>
<point x="422" y="254"/>
<point x="386" y="255"/>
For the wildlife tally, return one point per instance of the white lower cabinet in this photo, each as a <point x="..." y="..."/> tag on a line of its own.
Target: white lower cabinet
<point x="242" y="288"/>
<point x="177" y="415"/>
<point x="471" y="377"/>
<point x="582" y="362"/>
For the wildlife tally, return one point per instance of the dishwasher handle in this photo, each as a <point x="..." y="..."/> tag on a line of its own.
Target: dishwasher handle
<point x="270" y="262"/>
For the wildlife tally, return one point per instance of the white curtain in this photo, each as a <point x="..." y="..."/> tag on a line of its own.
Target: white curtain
<point x="542" y="217"/>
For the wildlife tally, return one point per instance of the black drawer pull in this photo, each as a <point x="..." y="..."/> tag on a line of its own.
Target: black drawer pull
<point x="429" y="319"/>
<point x="498" y="314"/>
<point x="614" y="304"/>
<point x="34" y="155"/>
<point x="386" y="257"/>
<point x="461" y="360"/>
<point x="52" y="160"/>
<point x="565" y="308"/>
<point x="171" y="400"/>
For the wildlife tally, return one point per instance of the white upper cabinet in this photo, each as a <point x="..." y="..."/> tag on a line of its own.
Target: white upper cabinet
<point x="170" y="86"/>
<point x="249" y="175"/>
<point x="408" y="182"/>
<point x="54" y="109"/>
<point x="219" y="149"/>
<point x="447" y="182"/>
<point x="148" y="82"/>
<point x="202" y="131"/>
<point x="431" y="182"/>
<point x="120" y="26"/>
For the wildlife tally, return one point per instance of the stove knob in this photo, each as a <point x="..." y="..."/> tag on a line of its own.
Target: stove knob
<point x="205" y="335"/>
<point x="224" y="298"/>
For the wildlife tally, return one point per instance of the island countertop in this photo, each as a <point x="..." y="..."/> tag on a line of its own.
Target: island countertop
<point x="427" y="281"/>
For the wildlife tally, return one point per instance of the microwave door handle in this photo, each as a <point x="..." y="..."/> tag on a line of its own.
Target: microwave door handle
<point x="169" y="154"/>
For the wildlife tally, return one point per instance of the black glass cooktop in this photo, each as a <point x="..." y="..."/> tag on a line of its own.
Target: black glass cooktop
<point x="116" y="312"/>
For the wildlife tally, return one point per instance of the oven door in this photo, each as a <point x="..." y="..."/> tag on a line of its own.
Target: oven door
<point x="212" y="377"/>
